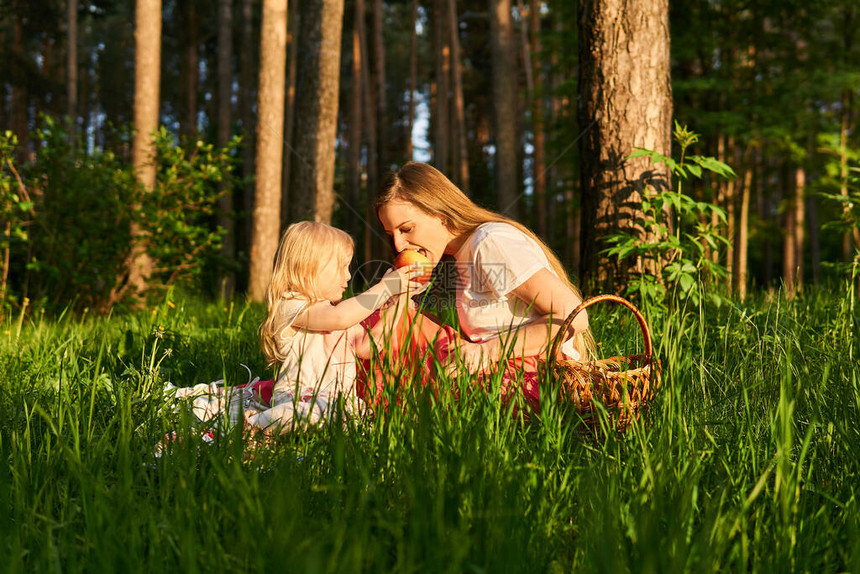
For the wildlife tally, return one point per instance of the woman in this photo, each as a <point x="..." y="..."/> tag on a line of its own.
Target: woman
<point x="512" y="293"/>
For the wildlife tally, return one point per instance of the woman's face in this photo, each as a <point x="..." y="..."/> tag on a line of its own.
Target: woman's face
<point x="411" y="228"/>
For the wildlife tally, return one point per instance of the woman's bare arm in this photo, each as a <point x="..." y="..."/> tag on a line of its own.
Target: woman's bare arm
<point x="550" y="297"/>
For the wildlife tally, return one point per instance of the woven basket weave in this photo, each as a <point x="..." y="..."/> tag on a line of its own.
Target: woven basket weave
<point x="621" y="384"/>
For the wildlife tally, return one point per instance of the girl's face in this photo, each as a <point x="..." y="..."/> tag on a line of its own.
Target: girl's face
<point x="334" y="277"/>
<point x="411" y="228"/>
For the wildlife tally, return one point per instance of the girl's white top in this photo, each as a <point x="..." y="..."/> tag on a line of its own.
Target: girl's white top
<point x="496" y="259"/>
<point x="318" y="364"/>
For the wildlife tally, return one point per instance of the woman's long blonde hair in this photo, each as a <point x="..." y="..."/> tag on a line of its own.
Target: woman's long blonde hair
<point x="304" y="249"/>
<point x="429" y="190"/>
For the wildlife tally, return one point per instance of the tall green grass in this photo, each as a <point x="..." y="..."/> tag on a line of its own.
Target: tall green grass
<point x="748" y="459"/>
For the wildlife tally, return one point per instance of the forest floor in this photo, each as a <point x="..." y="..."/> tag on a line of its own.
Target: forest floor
<point x="747" y="459"/>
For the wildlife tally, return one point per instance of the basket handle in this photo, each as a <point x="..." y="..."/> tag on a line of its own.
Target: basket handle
<point x="646" y="333"/>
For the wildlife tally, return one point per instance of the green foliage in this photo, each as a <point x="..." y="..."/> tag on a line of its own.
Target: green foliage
<point x="69" y="246"/>
<point x="177" y="216"/>
<point x="81" y="225"/>
<point x="15" y="207"/>
<point x="848" y="218"/>
<point x="677" y="231"/>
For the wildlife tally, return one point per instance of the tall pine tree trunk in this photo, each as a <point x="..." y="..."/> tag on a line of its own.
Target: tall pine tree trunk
<point x="795" y="217"/>
<point x="625" y="89"/>
<point x="227" y="281"/>
<point x="270" y="145"/>
<point x="20" y="100"/>
<point x="789" y="261"/>
<point x="461" y="155"/>
<point x="190" y="68"/>
<point x="147" y="84"/>
<point x="413" y="77"/>
<point x="353" y="155"/>
<point x="539" y="138"/>
<point x="312" y="178"/>
<point x="381" y="83"/>
<point x="247" y="116"/>
<point x="441" y="121"/>
<point x="290" y="106"/>
<point x="72" y="69"/>
<point x="504" y="72"/>
<point x="731" y="218"/>
<point x="741" y="253"/>
<point x="371" y="247"/>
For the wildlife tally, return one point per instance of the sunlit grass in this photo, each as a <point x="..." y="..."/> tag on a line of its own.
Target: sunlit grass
<point x="747" y="460"/>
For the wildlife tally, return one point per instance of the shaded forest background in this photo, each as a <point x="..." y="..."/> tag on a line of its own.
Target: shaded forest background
<point x="771" y="87"/>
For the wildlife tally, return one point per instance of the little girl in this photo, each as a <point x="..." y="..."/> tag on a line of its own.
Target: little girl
<point x="310" y="333"/>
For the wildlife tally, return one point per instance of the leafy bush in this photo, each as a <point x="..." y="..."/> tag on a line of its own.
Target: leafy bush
<point x="15" y="207"/>
<point x="677" y="230"/>
<point x="68" y="219"/>
<point x="177" y="216"/>
<point x="848" y="221"/>
<point x="81" y="236"/>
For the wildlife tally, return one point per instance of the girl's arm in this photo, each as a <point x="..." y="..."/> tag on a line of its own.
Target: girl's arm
<point x="325" y="316"/>
<point x="381" y="330"/>
<point x="548" y="295"/>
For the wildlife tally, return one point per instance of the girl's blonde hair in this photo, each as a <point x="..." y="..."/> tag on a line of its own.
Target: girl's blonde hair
<point x="428" y="189"/>
<point x="304" y="249"/>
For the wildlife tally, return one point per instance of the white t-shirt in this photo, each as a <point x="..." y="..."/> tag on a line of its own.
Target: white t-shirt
<point x="317" y="364"/>
<point x="495" y="260"/>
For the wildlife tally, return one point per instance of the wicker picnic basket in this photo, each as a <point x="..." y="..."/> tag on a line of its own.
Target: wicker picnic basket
<point x="621" y="384"/>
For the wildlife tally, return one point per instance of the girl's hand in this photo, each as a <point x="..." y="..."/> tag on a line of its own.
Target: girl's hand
<point x="404" y="280"/>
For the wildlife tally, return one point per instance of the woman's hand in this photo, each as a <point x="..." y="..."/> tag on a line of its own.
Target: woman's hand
<point x="473" y="358"/>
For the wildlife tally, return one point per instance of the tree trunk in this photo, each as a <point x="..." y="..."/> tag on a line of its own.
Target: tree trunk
<point x="312" y="178"/>
<point x="20" y="100"/>
<point x="247" y="116"/>
<point x="503" y="54"/>
<point x="72" y="70"/>
<point x="190" y="69"/>
<point x="789" y="241"/>
<point x="741" y="253"/>
<point x="353" y="156"/>
<point x="270" y="145"/>
<point x="768" y="197"/>
<point x="799" y="223"/>
<point x="731" y="217"/>
<point x="290" y="111"/>
<point x="413" y="77"/>
<point x="441" y="121"/>
<point x="539" y="139"/>
<point x="381" y="85"/>
<point x="84" y="99"/>
<point x="625" y="89"/>
<point x="461" y="155"/>
<point x="370" y="246"/>
<point x="147" y="84"/>
<point x="227" y="281"/>
<point x="556" y="77"/>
